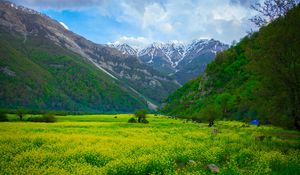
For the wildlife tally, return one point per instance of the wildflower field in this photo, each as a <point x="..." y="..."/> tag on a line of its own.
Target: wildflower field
<point x="108" y="144"/>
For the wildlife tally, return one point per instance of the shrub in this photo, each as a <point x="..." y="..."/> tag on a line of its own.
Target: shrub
<point x="132" y="120"/>
<point x="196" y="118"/>
<point x="47" y="118"/>
<point x="144" y="120"/>
<point x="210" y="113"/>
<point x="3" y="117"/>
<point x="140" y="114"/>
<point x="21" y="113"/>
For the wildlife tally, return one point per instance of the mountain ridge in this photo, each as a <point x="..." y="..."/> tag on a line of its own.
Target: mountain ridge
<point x="182" y="61"/>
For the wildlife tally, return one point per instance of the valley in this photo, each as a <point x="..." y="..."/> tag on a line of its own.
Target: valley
<point x="42" y="36"/>
<point x="150" y="87"/>
<point x="107" y="144"/>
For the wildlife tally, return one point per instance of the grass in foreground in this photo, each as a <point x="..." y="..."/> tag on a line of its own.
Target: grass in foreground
<point x="105" y="144"/>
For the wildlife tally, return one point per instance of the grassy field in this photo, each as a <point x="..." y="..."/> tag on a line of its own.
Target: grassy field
<point x="103" y="144"/>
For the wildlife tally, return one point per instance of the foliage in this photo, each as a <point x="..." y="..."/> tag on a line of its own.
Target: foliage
<point x="210" y="113"/>
<point x="227" y="86"/>
<point x="277" y="63"/>
<point x="101" y="144"/>
<point x="3" y="117"/>
<point x="270" y="10"/>
<point x="48" y="77"/>
<point x="258" y="78"/>
<point x="141" y="114"/>
<point x="47" y="118"/>
<point x="144" y="120"/>
<point x="132" y="120"/>
<point x="21" y="112"/>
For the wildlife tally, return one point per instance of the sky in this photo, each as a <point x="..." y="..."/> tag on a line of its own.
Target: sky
<point x="141" y="22"/>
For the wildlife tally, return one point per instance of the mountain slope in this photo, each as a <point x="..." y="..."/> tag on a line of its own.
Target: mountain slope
<point x="197" y="55"/>
<point x="82" y="75"/>
<point x="40" y="78"/>
<point x="257" y="78"/>
<point x="124" y="48"/>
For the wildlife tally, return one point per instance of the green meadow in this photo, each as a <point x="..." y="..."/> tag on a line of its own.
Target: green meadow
<point x="108" y="144"/>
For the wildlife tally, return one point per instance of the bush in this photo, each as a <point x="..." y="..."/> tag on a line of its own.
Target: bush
<point x="47" y="118"/>
<point x="144" y="121"/>
<point x="21" y="113"/>
<point x="210" y="113"/>
<point x="3" y="118"/>
<point x="132" y="120"/>
<point x="196" y="119"/>
<point x="141" y="115"/>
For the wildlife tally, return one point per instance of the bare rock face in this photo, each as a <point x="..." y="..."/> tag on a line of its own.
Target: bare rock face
<point x="260" y="138"/>
<point x="7" y="71"/>
<point x="192" y="162"/>
<point x="215" y="131"/>
<point x="213" y="168"/>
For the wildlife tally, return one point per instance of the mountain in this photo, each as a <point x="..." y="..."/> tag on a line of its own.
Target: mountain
<point x="162" y="57"/>
<point x="180" y="61"/>
<point x="124" y="48"/>
<point x="258" y="78"/>
<point x="197" y="55"/>
<point x="45" y="66"/>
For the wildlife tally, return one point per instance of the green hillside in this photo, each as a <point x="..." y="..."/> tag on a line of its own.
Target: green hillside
<point x="39" y="75"/>
<point x="257" y="78"/>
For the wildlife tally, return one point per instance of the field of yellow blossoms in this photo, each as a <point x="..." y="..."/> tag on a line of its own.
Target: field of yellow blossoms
<point x="108" y="144"/>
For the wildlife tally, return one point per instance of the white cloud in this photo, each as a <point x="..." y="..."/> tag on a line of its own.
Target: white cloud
<point x="60" y="4"/>
<point x="225" y="20"/>
<point x="133" y="41"/>
<point x="166" y="27"/>
<point x="228" y="13"/>
<point x="64" y="25"/>
<point x="156" y="17"/>
<point x="164" y="20"/>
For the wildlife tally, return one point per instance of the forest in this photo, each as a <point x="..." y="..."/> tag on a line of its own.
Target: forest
<point x="258" y="78"/>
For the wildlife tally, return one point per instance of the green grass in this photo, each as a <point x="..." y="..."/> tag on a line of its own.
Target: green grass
<point x="103" y="144"/>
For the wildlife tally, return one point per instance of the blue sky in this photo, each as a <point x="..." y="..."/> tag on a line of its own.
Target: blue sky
<point x="140" y="22"/>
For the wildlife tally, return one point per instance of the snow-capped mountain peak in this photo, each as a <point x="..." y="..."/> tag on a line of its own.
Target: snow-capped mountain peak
<point x="157" y="45"/>
<point x="173" y="56"/>
<point x="124" y="48"/>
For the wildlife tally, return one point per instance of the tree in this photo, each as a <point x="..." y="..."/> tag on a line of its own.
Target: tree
<point x="132" y="120"/>
<point x="3" y="117"/>
<point x="47" y="118"/>
<point x="270" y="10"/>
<point x="226" y="102"/>
<point x="276" y="60"/>
<point x="141" y="115"/>
<point x="210" y="113"/>
<point x="21" y="112"/>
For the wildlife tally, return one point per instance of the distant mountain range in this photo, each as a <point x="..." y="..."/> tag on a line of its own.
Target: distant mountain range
<point x="45" y="66"/>
<point x="183" y="62"/>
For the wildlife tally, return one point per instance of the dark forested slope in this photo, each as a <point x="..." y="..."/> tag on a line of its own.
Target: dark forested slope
<point x="39" y="75"/>
<point x="257" y="78"/>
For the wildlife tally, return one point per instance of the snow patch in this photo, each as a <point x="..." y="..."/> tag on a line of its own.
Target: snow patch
<point x="64" y="25"/>
<point x="174" y="51"/>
